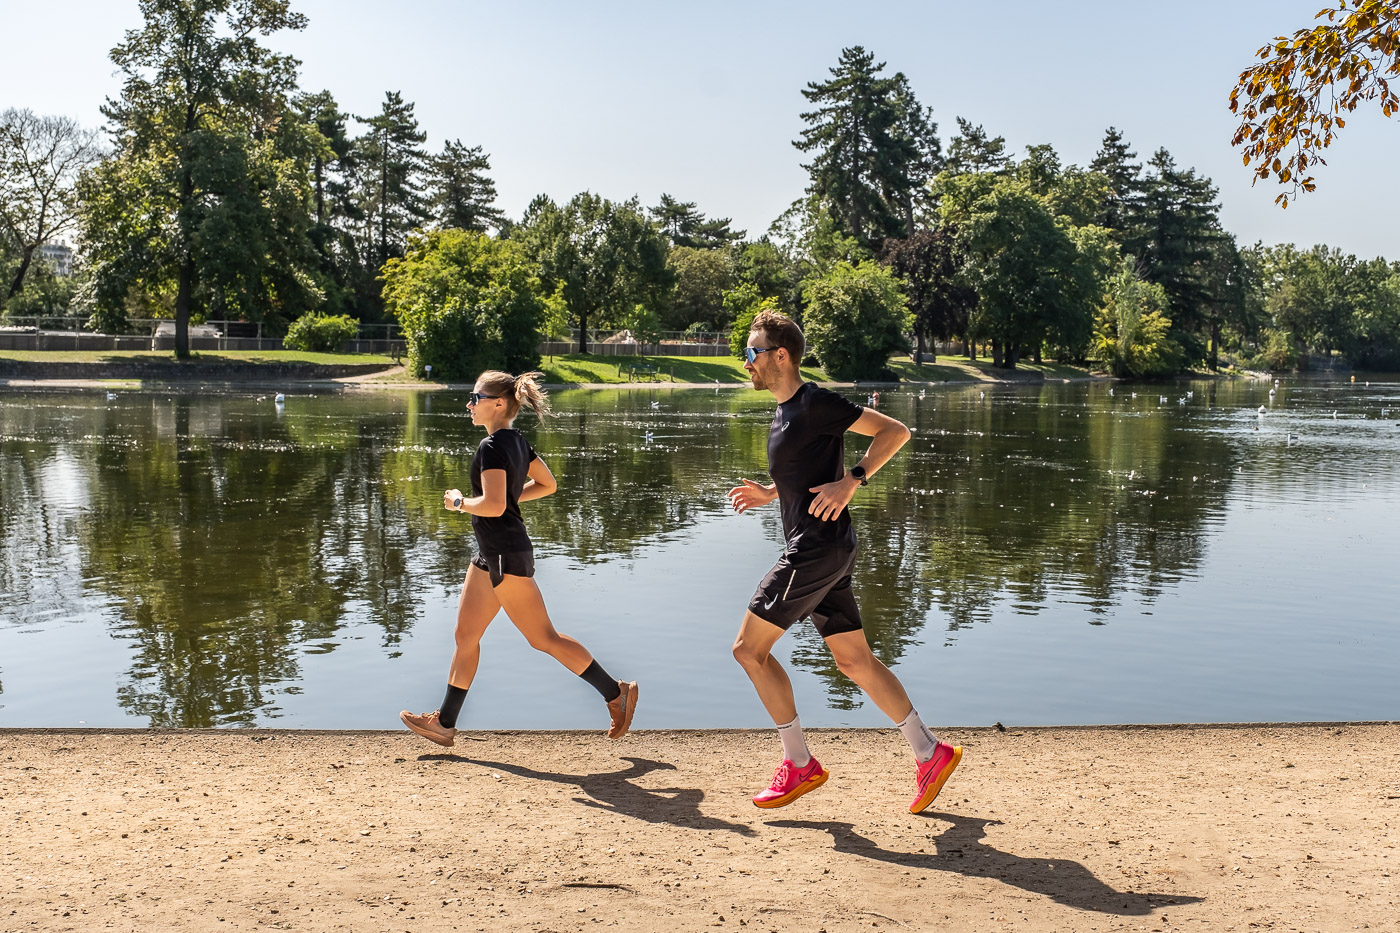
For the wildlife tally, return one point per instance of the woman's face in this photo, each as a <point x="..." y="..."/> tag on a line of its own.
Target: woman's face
<point x="481" y="410"/>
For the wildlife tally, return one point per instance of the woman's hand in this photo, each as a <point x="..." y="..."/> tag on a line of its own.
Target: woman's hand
<point x="751" y="495"/>
<point x="451" y="496"/>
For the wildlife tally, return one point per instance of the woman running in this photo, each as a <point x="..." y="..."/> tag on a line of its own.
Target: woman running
<point x="505" y="473"/>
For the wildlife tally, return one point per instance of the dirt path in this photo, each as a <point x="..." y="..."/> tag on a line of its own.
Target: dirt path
<point x="1180" y="828"/>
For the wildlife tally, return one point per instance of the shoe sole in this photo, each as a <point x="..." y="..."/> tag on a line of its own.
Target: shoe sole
<point x="629" y="709"/>
<point x="806" y="786"/>
<point x="931" y="792"/>
<point x="444" y="741"/>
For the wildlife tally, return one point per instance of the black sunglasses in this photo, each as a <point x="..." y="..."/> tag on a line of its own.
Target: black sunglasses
<point x="751" y="353"/>
<point x="477" y="397"/>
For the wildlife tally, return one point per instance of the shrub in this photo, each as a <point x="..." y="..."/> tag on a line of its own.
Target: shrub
<point x="320" y="333"/>
<point x="856" y="318"/>
<point x="466" y="303"/>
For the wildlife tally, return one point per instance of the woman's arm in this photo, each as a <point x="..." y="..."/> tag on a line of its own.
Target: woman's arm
<point x="490" y="504"/>
<point x="541" y="482"/>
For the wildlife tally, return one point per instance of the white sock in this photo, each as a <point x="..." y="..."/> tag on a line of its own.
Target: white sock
<point x="795" y="743"/>
<point x="920" y="739"/>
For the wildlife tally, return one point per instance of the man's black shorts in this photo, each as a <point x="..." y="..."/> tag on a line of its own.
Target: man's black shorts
<point x="814" y="582"/>
<point x="516" y="563"/>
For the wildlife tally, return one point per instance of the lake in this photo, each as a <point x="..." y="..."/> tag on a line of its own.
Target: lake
<point x="1066" y="553"/>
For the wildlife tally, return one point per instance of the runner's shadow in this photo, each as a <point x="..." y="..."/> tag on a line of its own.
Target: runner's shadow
<point x="614" y="791"/>
<point x="960" y="849"/>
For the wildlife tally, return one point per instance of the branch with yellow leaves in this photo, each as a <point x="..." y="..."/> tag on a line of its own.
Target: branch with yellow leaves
<point x="1292" y="104"/>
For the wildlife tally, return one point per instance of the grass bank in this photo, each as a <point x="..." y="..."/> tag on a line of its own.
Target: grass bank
<point x="203" y="356"/>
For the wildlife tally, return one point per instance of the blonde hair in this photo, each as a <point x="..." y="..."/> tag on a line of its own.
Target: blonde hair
<point x="522" y="391"/>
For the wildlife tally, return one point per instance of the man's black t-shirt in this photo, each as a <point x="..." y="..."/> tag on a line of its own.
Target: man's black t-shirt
<point x="506" y="450"/>
<point x="806" y="448"/>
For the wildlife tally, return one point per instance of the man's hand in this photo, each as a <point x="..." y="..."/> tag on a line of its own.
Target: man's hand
<point x="751" y="494"/>
<point x="832" y="497"/>
<point x="452" y="495"/>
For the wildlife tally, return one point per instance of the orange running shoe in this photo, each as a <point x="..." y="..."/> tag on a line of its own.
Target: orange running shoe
<point x="791" y="782"/>
<point x="622" y="709"/>
<point x="427" y="725"/>
<point x="934" y="773"/>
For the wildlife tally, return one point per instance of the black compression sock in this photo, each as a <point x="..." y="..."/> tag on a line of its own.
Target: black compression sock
<point x="602" y="681"/>
<point x="451" y="706"/>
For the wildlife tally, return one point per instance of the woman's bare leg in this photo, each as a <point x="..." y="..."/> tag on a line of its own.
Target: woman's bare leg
<point x="524" y="604"/>
<point x="476" y="607"/>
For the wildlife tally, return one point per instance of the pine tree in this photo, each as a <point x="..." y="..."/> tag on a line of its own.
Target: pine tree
<point x="1173" y="234"/>
<point x="392" y="175"/>
<point x="972" y="152"/>
<point x="874" y="146"/>
<point x="1115" y="162"/>
<point x="685" y="225"/>
<point x="464" y="195"/>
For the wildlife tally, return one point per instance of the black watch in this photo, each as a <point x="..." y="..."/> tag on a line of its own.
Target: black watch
<point x="859" y="473"/>
<point x="457" y="503"/>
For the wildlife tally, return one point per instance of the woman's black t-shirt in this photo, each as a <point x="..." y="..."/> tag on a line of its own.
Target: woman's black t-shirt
<point x="506" y="450"/>
<point x="806" y="448"/>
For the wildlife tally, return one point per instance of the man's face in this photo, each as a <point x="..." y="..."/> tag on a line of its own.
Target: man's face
<point x="763" y="371"/>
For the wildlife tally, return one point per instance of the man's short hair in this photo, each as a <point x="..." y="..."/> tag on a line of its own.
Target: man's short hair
<point x="780" y="331"/>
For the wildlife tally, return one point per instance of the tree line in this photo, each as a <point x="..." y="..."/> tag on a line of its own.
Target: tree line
<point x="224" y="190"/>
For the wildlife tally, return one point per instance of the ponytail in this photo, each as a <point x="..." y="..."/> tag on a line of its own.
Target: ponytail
<point x="521" y="391"/>
<point x="528" y="394"/>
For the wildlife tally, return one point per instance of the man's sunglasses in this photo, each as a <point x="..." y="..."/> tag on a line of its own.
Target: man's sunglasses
<point x="477" y="397"/>
<point x="751" y="353"/>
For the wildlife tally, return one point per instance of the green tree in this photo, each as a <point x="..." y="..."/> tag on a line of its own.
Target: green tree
<point x="605" y="256"/>
<point x="856" y="318"/>
<point x="464" y="196"/>
<point x="1033" y="283"/>
<point x="40" y="161"/>
<point x="702" y="277"/>
<point x="204" y="203"/>
<point x="763" y="264"/>
<point x="1132" y="332"/>
<point x="1374" y="342"/>
<point x="205" y="196"/>
<point x="392" y="175"/>
<point x="929" y="265"/>
<point x="466" y="303"/>
<point x="874" y="148"/>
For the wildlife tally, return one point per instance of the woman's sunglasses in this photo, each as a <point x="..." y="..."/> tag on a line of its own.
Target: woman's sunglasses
<point x="751" y="353"/>
<point x="477" y="397"/>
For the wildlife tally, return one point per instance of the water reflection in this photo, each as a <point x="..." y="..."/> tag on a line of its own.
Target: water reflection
<point x="225" y="539"/>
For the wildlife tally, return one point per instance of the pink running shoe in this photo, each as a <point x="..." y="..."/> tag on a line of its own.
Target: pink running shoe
<point x="791" y="782"/>
<point x="934" y="773"/>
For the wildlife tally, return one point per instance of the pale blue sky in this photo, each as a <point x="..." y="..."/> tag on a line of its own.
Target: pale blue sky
<point x="702" y="101"/>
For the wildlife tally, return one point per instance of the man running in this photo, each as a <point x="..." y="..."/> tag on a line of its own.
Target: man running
<point x="806" y="459"/>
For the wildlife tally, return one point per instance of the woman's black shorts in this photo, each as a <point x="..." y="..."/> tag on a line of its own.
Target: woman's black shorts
<point x="516" y="564"/>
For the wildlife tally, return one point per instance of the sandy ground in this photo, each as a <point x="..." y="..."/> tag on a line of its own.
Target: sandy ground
<point x="1176" y="828"/>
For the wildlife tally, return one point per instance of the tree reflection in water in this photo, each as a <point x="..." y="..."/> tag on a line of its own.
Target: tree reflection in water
<point x="227" y="536"/>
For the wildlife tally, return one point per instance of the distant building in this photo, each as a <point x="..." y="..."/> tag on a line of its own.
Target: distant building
<point x="59" y="256"/>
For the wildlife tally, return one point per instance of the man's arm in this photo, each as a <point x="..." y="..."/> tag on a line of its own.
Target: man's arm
<point x="887" y="436"/>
